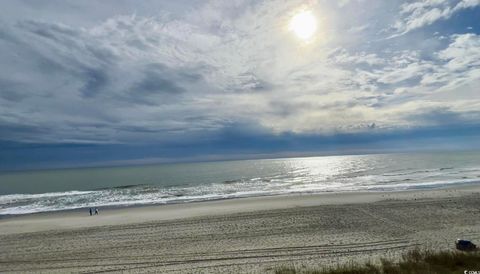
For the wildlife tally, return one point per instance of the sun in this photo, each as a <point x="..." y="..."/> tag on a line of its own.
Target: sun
<point x="304" y="25"/>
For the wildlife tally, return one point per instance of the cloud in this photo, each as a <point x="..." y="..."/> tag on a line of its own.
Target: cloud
<point x="343" y="3"/>
<point x="415" y="15"/>
<point x="343" y="57"/>
<point x="12" y="91"/>
<point x="463" y="53"/>
<point x="95" y="81"/>
<point x="459" y="64"/>
<point x="191" y="72"/>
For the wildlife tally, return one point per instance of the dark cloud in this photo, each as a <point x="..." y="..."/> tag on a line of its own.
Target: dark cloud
<point x="56" y="32"/>
<point x="95" y="80"/>
<point x="443" y="116"/>
<point x="160" y="84"/>
<point x="13" y="131"/>
<point x="236" y="141"/>
<point x="12" y="91"/>
<point x="158" y="78"/>
<point x="6" y="34"/>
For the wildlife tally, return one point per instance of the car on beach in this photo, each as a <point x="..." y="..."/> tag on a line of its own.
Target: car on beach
<point x="465" y="245"/>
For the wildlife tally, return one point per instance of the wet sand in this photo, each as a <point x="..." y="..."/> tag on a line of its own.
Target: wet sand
<point x="252" y="235"/>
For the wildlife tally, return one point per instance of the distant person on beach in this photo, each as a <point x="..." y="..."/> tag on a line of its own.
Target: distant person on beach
<point x="96" y="211"/>
<point x="91" y="212"/>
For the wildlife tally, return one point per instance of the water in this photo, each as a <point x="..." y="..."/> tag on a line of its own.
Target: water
<point x="52" y="190"/>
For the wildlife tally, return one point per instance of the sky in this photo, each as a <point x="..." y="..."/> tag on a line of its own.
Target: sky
<point x="123" y="82"/>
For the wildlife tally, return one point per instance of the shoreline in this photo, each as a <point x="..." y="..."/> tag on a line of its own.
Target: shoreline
<point x="463" y="185"/>
<point x="121" y="215"/>
<point x="428" y="187"/>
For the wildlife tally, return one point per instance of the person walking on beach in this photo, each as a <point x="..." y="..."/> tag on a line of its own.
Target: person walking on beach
<point x="96" y="211"/>
<point x="91" y="212"/>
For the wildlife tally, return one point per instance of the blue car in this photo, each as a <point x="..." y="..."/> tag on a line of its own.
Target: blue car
<point x="465" y="245"/>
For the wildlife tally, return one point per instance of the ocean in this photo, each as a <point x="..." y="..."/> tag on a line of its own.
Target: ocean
<point x="64" y="189"/>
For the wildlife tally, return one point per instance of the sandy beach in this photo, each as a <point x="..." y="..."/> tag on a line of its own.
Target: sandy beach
<point x="250" y="235"/>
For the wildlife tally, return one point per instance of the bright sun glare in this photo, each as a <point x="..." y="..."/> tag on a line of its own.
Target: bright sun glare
<point x="303" y="25"/>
